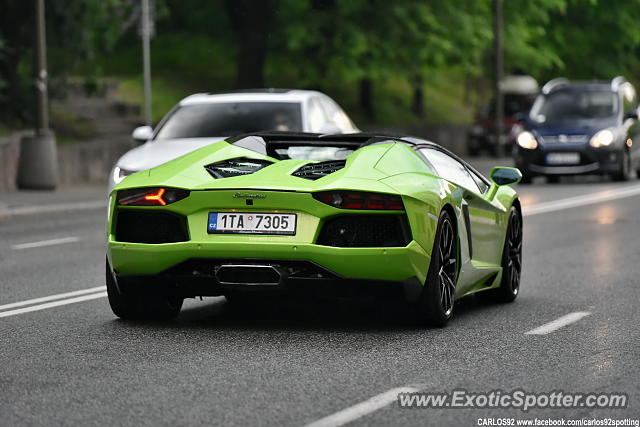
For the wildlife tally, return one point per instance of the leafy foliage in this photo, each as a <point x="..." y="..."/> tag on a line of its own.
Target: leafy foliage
<point x="320" y="43"/>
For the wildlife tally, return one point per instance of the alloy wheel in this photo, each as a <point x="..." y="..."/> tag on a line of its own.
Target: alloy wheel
<point x="514" y="253"/>
<point x="448" y="267"/>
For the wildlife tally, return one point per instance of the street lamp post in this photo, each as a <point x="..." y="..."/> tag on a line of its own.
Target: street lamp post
<point x="146" y="59"/>
<point x="497" y="78"/>
<point x="38" y="164"/>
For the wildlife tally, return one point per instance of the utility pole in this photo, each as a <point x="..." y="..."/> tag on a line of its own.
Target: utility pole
<point x="38" y="163"/>
<point x="497" y="77"/>
<point x="41" y="78"/>
<point x="146" y="48"/>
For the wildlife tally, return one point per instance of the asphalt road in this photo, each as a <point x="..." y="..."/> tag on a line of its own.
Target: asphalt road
<point x="76" y="364"/>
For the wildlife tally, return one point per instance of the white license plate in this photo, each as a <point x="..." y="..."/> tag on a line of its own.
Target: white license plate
<point x="563" y="158"/>
<point x="251" y="223"/>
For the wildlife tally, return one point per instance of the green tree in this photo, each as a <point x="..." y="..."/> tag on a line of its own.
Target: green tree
<point x="76" y="30"/>
<point x="596" y="38"/>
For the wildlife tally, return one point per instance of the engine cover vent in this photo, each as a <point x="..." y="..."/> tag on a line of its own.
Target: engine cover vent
<point x="315" y="171"/>
<point x="236" y="167"/>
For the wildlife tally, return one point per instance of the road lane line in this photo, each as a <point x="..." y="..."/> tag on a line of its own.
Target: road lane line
<point x="52" y="208"/>
<point x="52" y="297"/>
<point x="558" y="323"/>
<point x="361" y="409"/>
<point x="52" y="242"/>
<point x="52" y="304"/>
<point x="574" y="202"/>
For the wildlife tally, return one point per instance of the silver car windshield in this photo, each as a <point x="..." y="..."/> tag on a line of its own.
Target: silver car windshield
<point x="563" y="106"/>
<point x="231" y="118"/>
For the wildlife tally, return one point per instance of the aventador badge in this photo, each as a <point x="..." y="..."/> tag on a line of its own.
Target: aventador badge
<point x="249" y="196"/>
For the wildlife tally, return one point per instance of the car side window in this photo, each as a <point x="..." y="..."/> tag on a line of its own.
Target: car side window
<point x="450" y="169"/>
<point x="317" y="116"/>
<point x="336" y="115"/>
<point x="480" y="182"/>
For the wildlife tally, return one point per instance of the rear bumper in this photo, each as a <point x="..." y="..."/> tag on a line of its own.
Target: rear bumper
<point x="396" y="264"/>
<point x="592" y="161"/>
<point x="213" y="277"/>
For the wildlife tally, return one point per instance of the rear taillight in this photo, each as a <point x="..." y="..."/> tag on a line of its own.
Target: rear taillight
<point x="360" y="200"/>
<point x="150" y="196"/>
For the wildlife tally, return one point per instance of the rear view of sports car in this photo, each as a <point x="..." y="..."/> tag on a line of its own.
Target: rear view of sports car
<point x="316" y="215"/>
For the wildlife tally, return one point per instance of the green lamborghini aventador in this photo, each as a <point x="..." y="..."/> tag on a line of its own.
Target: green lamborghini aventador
<point x="333" y="216"/>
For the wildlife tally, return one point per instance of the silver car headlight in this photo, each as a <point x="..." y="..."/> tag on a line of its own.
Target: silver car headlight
<point x="119" y="174"/>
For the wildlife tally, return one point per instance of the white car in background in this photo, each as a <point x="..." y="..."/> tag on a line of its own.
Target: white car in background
<point x="202" y="119"/>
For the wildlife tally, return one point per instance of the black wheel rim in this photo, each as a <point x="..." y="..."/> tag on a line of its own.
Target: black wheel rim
<point x="448" y="267"/>
<point x="514" y="253"/>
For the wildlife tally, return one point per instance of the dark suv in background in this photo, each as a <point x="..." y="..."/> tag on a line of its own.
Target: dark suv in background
<point x="580" y="128"/>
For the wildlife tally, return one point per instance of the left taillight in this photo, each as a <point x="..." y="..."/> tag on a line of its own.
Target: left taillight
<point x="360" y="200"/>
<point x="157" y="196"/>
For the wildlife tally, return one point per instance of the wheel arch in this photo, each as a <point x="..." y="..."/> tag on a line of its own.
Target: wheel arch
<point x="447" y="207"/>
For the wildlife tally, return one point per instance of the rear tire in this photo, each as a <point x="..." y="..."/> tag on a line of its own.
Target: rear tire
<point x="511" y="262"/>
<point x="438" y="295"/>
<point x="129" y="303"/>
<point x="553" y="179"/>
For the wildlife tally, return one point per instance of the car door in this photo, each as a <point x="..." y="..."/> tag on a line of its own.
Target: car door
<point x="481" y="216"/>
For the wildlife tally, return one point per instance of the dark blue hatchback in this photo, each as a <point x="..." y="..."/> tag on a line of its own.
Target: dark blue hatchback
<point x="580" y="128"/>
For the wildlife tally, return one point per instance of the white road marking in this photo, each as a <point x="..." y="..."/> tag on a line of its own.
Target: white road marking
<point x="573" y="202"/>
<point x="52" y="297"/>
<point x="558" y="323"/>
<point x="52" y="208"/>
<point x="52" y="304"/>
<point x="361" y="409"/>
<point x="42" y="243"/>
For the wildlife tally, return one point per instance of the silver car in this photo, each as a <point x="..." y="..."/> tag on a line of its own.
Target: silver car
<point x="202" y="119"/>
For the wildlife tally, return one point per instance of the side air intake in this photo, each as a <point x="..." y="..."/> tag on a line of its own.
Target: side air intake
<point x="315" y="171"/>
<point x="236" y="167"/>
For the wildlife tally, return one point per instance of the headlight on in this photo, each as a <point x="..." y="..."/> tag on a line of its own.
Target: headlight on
<point x="603" y="138"/>
<point x="119" y="174"/>
<point x="527" y="140"/>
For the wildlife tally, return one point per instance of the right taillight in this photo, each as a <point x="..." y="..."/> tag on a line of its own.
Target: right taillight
<point x="360" y="200"/>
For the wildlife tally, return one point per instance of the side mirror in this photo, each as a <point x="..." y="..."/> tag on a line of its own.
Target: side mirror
<point x="502" y="176"/>
<point x="505" y="176"/>
<point x="329" y="129"/>
<point x="142" y="133"/>
<point x="633" y="115"/>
